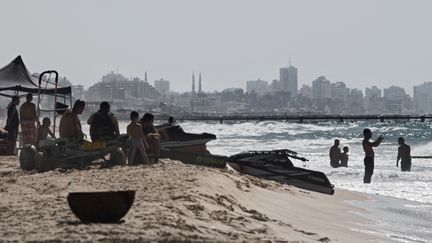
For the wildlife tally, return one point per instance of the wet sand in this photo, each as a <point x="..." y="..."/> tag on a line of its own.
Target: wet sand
<point x="174" y="202"/>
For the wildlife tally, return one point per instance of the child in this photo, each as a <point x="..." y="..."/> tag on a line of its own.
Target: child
<point x="344" y="157"/>
<point x="136" y="139"/>
<point x="44" y="130"/>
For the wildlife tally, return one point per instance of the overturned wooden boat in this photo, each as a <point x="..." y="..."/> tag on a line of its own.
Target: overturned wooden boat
<point x="101" y="207"/>
<point x="276" y="165"/>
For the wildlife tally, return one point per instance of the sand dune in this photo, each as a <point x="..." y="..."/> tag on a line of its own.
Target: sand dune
<point x="174" y="202"/>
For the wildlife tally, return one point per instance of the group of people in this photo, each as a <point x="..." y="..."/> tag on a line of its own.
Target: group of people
<point x="143" y="136"/>
<point x="338" y="159"/>
<point x="32" y="130"/>
<point x="404" y="154"/>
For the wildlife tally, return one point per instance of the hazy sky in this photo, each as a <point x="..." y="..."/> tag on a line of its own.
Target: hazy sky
<point x="362" y="43"/>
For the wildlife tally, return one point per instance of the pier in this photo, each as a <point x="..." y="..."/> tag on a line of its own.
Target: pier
<point x="303" y="118"/>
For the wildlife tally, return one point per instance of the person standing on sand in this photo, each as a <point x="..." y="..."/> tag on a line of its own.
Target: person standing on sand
<point x="28" y="121"/>
<point x="335" y="154"/>
<point x="404" y="154"/>
<point x="369" y="153"/>
<point x="12" y="123"/>
<point x="137" y="139"/>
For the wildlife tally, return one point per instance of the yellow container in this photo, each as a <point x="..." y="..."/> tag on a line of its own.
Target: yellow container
<point x="88" y="146"/>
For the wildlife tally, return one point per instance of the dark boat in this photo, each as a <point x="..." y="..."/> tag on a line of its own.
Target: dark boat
<point x="101" y="207"/>
<point x="276" y="165"/>
<point x="189" y="148"/>
<point x="175" y="138"/>
<point x="205" y="159"/>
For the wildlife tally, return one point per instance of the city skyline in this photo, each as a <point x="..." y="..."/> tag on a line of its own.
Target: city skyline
<point x="358" y="42"/>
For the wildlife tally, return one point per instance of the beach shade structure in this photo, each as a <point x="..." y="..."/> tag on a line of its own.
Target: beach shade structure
<point x="16" y="77"/>
<point x="101" y="207"/>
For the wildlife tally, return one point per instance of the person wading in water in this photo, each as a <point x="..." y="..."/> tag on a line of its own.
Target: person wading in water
<point x="369" y="154"/>
<point x="335" y="154"/>
<point x="404" y="154"/>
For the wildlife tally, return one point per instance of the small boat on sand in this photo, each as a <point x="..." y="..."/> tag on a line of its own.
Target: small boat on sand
<point x="175" y="138"/>
<point x="276" y="165"/>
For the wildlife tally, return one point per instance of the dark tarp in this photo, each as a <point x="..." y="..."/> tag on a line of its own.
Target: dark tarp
<point x="16" y="77"/>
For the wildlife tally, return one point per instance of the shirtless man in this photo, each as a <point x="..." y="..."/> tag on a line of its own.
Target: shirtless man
<point x="335" y="154"/>
<point x="404" y="154"/>
<point x="29" y="121"/>
<point x="369" y="153"/>
<point x="137" y="139"/>
<point x="70" y="125"/>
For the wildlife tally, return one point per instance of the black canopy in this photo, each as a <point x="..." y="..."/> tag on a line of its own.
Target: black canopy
<point x="16" y="77"/>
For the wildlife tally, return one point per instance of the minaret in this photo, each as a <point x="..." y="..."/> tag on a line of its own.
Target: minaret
<point x="145" y="76"/>
<point x="199" y="84"/>
<point x="193" y="83"/>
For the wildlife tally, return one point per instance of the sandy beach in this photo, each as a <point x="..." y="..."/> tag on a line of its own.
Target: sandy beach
<point x="174" y="202"/>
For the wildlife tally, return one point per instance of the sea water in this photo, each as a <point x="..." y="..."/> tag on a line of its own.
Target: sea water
<point x="401" y="203"/>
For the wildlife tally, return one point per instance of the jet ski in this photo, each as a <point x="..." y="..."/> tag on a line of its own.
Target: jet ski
<point x="189" y="148"/>
<point x="175" y="138"/>
<point x="276" y="165"/>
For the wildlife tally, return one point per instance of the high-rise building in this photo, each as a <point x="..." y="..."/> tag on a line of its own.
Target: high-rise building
<point x="258" y="86"/>
<point x="162" y="86"/>
<point x="306" y="91"/>
<point x="373" y="92"/>
<point x="394" y="99"/>
<point x="288" y="80"/>
<point x="373" y="102"/>
<point x="339" y="91"/>
<point x="115" y="86"/>
<point x="394" y="93"/>
<point x="321" y="88"/>
<point x="422" y="97"/>
<point x="355" y="102"/>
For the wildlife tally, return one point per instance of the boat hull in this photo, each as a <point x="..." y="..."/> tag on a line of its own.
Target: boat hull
<point x="299" y="177"/>
<point x="276" y="165"/>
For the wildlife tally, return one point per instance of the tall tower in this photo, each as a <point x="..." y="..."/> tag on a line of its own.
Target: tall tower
<point x="145" y="77"/>
<point x="193" y="83"/>
<point x="199" y="84"/>
<point x="288" y="80"/>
